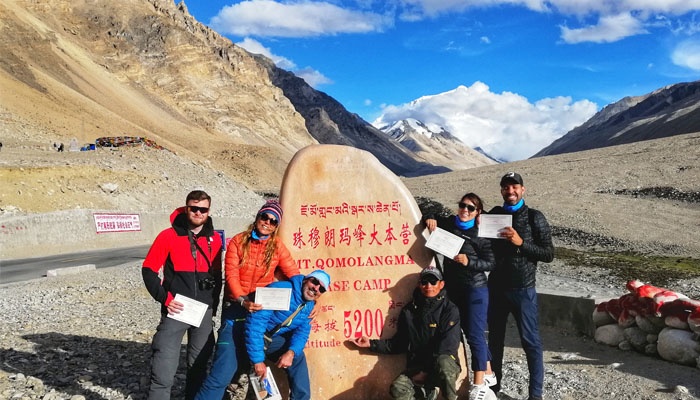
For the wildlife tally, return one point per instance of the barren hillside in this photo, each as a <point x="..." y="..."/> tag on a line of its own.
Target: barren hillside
<point x="83" y="69"/>
<point x="645" y="195"/>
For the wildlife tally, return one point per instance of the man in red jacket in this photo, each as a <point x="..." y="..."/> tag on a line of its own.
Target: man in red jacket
<point x="189" y="255"/>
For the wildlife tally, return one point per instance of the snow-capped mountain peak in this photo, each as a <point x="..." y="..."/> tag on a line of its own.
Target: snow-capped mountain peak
<point x="433" y="143"/>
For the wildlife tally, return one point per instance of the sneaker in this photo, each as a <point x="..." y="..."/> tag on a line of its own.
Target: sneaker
<point x="481" y="392"/>
<point x="490" y="380"/>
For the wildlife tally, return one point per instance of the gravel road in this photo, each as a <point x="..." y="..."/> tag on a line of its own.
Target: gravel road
<point x="87" y="336"/>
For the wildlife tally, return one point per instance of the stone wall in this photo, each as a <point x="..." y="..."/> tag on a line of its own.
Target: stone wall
<point x="74" y="231"/>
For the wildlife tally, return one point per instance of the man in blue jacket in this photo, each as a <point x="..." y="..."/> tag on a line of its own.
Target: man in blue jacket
<point x="280" y="336"/>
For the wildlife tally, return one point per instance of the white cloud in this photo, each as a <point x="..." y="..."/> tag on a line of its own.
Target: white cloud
<point x="687" y="54"/>
<point x="571" y="7"/>
<point x="255" y="47"/>
<point x="432" y="8"/>
<point x="616" y="19"/>
<point x="609" y="29"/>
<point x="313" y="77"/>
<point x="268" y="18"/>
<point x="505" y="125"/>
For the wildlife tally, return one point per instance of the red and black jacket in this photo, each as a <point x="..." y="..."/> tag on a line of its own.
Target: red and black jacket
<point x="183" y="262"/>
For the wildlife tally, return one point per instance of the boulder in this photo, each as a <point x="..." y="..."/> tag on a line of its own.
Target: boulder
<point x="678" y="346"/>
<point x="611" y="334"/>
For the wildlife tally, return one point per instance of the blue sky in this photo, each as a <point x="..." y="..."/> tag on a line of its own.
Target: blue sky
<point x="509" y="76"/>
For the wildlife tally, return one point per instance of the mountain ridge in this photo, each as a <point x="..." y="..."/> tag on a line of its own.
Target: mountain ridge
<point x="668" y="111"/>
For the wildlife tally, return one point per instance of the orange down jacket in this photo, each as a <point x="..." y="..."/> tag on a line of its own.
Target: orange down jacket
<point x="243" y="278"/>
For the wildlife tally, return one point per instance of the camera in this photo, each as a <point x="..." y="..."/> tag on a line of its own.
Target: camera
<point x="207" y="283"/>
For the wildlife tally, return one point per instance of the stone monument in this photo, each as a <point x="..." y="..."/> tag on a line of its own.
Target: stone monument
<point x="345" y="213"/>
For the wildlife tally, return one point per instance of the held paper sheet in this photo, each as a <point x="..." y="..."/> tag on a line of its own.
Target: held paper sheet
<point x="192" y="313"/>
<point x="273" y="298"/>
<point x="490" y="224"/>
<point x="444" y="243"/>
<point x="265" y="389"/>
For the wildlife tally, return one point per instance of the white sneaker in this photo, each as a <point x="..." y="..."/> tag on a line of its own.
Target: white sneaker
<point x="481" y="392"/>
<point x="490" y="380"/>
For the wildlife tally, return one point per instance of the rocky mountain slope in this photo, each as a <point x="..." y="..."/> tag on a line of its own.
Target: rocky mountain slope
<point x="146" y="68"/>
<point x="669" y="111"/>
<point x="83" y="69"/>
<point x="330" y="123"/>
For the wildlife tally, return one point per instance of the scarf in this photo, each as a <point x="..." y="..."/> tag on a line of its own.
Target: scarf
<point x="512" y="209"/>
<point x="464" y="225"/>
<point x="254" y="235"/>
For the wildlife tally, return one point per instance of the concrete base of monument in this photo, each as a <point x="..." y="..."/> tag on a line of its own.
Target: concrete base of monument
<point x="567" y="311"/>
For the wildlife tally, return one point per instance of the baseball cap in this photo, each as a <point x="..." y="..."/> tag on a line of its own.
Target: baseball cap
<point x="512" y="177"/>
<point x="431" y="271"/>
<point x="323" y="278"/>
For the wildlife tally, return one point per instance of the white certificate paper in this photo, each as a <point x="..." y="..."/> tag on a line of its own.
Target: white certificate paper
<point x="444" y="243"/>
<point x="273" y="298"/>
<point x="490" y="224"/>
<point x="265" y="389"/>
<point x="192" y="313"/>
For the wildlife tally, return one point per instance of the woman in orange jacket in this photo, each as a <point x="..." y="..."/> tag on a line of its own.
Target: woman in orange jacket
<point x="252" y="258"/>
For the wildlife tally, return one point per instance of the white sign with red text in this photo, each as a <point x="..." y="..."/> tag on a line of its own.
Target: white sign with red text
<point x="105" y="223"/>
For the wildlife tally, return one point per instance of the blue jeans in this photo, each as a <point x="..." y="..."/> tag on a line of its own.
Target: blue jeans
<point x="297" y="373"/>
<point x="166" y="355"/>
<point x="473" y="305"/>
<point x="230" y="355"/>
<point x="522" y="303"/>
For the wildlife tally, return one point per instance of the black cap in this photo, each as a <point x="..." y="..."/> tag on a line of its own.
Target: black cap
<point x="431" y="271"/>
<point x="512" y="177"/>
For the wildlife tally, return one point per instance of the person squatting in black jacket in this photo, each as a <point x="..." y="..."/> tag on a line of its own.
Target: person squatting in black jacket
<point x="466" y="284"/>
<point x="189" y="255"/>
<point x="428" y="332"/>
<point x="512" y="284"/>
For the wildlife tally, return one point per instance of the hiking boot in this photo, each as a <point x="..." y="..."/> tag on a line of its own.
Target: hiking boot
<point x="431" y="393"/>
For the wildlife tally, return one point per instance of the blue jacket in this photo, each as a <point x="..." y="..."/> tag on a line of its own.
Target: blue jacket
<point x="259" y="322"/>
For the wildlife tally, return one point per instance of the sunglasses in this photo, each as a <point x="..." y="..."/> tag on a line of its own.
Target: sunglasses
<point x="429" y="280"/>
<point x="195" y="209"/>
<point x="315" y="282"/>
<point x="267" y="218"/>
<point x="469" y="207"/>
